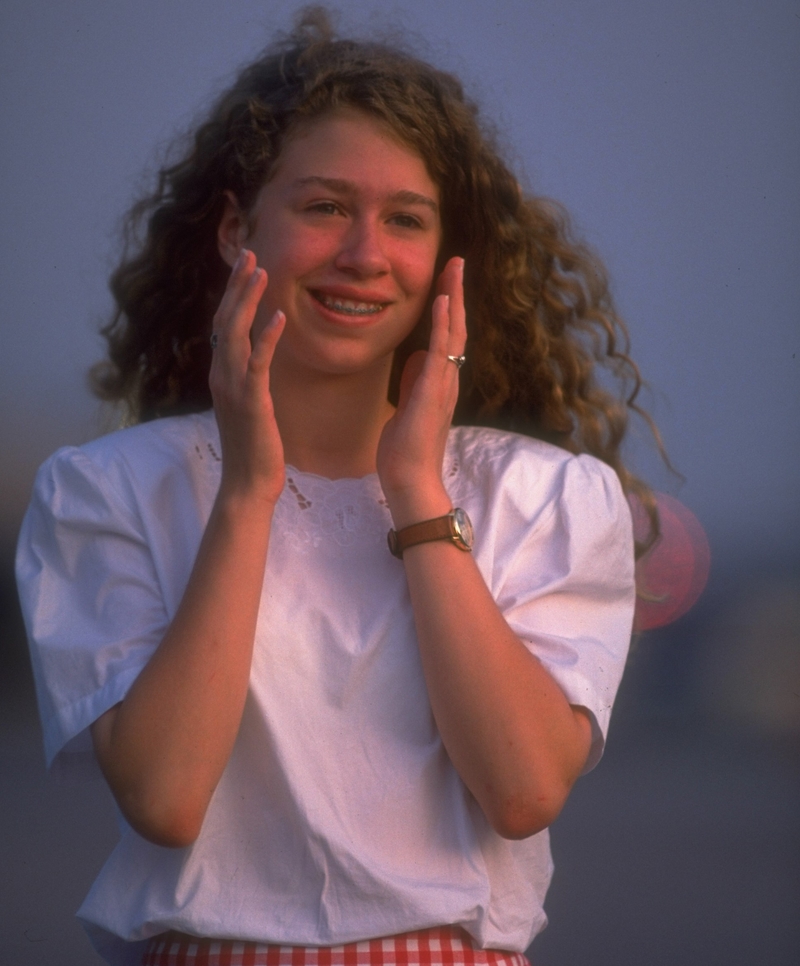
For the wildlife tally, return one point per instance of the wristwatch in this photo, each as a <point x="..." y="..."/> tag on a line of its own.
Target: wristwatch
<point x="455" y="526"/>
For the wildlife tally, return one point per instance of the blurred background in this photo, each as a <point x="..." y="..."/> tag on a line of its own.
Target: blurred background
<point x="670" y="132"/>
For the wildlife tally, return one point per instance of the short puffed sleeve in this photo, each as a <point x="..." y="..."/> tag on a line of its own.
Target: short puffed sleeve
<point x="91" y="599"/>
<point x="562" y="573"/>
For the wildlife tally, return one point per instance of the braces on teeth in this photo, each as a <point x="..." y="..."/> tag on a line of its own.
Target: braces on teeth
<point x="349" y="308"/>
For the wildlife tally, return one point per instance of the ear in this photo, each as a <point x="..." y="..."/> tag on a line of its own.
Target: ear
<point x="232" y="232"/>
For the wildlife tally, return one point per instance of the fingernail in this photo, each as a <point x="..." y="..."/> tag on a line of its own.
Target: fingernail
<point x="461" y="265"/>
<point x="240" y="260"/>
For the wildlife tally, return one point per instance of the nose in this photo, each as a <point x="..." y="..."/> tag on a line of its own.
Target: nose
<point x="362" y="251"/>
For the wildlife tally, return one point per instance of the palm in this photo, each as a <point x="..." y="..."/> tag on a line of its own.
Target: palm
<point x="411" y="448"/>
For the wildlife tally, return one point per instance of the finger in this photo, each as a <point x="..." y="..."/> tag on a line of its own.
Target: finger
<point x="244" y="311"/>
<point x="450" y="275"/>
<point x="236" y="326"/>
<point x="440" y="370"/>
<point x="449" y="280"/>
<point x="411" y="372"/>
<point x="240" y="273"/>
<point x="453" y="285"/>
<point x="264" y="346"/>
<point x="232" y="322"/>
<point x="246" y="284"/>
<point x="440" y="329"/>
<point x="458" y="314"/>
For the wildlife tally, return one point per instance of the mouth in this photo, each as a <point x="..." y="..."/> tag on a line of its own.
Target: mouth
<point x="349" y="307"/>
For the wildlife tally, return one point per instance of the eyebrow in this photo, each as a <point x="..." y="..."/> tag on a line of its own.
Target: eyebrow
<point x="344" y="187"/>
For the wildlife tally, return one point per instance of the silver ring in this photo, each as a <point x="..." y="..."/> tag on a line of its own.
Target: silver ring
<point x="214" y="340"/>
<point x="458" y="360"/>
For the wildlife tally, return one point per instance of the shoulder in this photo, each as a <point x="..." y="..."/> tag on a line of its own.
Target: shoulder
<point x="526" y="471"/>
<point x="145" y="449"/>
<point x="103" y="556"/>
<point x="156" y="443"/>
<point x="127" y="468"/>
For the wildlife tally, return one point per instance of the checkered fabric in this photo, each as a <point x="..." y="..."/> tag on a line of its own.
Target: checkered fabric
<point x="442" y="946"/>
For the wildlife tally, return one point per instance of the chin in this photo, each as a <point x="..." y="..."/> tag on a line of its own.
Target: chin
<point x="342" y="360"/>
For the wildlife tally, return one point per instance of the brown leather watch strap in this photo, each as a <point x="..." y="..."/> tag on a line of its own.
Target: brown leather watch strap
<point x="440" y="528"/>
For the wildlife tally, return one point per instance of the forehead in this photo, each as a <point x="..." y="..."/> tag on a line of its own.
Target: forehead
<point x="351" y="145"/>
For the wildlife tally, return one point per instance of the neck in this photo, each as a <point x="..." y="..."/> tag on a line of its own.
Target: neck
<point x="331" y="424"/>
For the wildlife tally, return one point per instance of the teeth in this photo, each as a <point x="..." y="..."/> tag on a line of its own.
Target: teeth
<point x="347" y="306"/>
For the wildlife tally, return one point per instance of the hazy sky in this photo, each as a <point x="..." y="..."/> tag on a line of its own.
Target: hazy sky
<point x="670" y="130"/>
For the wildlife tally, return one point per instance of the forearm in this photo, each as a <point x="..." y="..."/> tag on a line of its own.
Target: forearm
<point x="163" y="749"/>
<point x="507" y="726"/>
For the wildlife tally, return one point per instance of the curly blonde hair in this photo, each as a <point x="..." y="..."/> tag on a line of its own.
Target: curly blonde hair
<point x="540" y="315"/>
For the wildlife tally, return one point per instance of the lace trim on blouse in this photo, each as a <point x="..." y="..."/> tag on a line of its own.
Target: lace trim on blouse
<point x="313" y="510"/>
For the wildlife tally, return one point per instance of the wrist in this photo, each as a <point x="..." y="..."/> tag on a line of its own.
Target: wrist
<point x="249" y="500"/>
<point x="418" y="504"/>
<point x="455" y="527"/>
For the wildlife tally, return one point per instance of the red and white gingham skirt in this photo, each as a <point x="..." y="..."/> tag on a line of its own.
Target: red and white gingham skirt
<point x="441" y="946"/>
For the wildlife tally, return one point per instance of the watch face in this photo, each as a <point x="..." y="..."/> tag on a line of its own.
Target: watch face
<point x="463" y="528"/>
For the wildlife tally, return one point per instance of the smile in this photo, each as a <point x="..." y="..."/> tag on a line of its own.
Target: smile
<point x="348" y="306"/>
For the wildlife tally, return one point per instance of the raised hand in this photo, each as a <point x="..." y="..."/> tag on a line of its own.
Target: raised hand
<point x="505" y="723"/>
<point x="411" y="448"/>
<point x="164" y="747"/>
<point x="252" y="452"/>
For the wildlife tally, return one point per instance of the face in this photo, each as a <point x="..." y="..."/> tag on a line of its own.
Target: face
<point x="348" y="230"/>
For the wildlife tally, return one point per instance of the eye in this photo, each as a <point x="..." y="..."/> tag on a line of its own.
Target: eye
<point x="406" y="221"/>
<point x="324" y="208"/>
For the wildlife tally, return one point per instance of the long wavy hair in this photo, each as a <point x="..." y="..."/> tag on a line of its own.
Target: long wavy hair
<point x="540" y="315"/>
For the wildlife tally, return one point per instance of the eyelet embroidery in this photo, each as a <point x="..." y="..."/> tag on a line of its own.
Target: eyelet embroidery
<point x="343" y="512"/>
<point x="346" y="512"/>
<point x="210" y="447"/>
<point x="302" y="502"/>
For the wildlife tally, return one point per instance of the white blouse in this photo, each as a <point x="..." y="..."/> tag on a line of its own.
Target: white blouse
<point x="339" y="816"/>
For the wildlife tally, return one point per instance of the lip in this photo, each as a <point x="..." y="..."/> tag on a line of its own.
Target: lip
<point x="346" y="293"/>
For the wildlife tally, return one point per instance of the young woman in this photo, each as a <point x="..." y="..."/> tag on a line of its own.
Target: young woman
<point x="317" y="736"/>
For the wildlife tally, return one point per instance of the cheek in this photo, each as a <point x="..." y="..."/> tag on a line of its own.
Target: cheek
<point x="417" y="271"/>
<point x="287" y="252"/>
